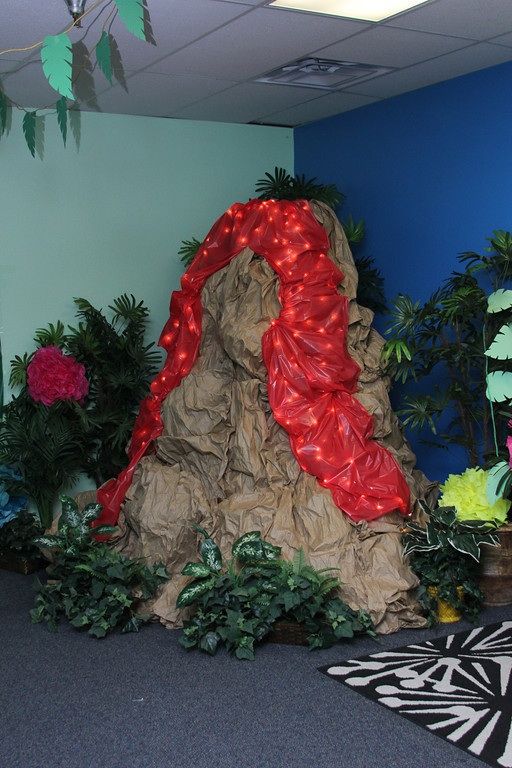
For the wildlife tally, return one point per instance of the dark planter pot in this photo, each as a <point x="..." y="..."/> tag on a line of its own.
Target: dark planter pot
<point x="496" y="569"/>
<point x="288" y="633"/>
<point x="20" y="564"/>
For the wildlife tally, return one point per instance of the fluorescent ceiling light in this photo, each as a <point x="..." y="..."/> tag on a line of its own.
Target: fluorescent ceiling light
<point x="366" y="10"/>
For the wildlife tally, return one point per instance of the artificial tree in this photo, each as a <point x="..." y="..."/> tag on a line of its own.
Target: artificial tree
<point x="442" y="342"/>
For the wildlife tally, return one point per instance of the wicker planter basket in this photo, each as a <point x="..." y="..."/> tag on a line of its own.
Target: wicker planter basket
<point x="288" y="633"/>
<point x="496" y="569"/>
<point x="19" y="564"/>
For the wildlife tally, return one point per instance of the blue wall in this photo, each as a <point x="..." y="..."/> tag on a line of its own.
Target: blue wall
<point x="431" y="173"/>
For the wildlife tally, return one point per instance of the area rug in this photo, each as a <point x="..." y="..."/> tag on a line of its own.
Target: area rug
<point x="459" y="687"/>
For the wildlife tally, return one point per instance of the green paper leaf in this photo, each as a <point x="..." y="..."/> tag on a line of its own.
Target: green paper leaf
<point x="3" y="112"/>
<point x="103" y="55"/>
<point x="29" y="131"/>
<point x="499" y="386"/>
<point x="62" y="117"/>
<point x="57" y="57"/>
<point x="495" y="478"/>
<point x="132" y="16"/>
<point x="499" y="300"/>
<point x="501" y="347"/>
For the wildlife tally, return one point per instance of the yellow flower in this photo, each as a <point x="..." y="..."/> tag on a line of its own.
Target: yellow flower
<point x="467" y="493"/>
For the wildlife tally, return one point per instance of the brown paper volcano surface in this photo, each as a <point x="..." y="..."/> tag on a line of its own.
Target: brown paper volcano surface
<point x="223" y="462"/>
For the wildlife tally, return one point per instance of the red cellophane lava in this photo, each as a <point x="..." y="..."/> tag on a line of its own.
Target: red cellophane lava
<point x="311" y="376"/>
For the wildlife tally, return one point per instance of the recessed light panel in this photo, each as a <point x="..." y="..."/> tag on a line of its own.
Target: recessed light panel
<point x="364" y="10"/>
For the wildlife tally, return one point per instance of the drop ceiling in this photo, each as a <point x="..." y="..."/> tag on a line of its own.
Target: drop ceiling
<point x="208" y="55"/>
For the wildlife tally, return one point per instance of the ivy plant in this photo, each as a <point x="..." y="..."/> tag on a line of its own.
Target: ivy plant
<point x="237" y="604"/>
<point x="445" y="554"/>
<point x="95" y="587"/>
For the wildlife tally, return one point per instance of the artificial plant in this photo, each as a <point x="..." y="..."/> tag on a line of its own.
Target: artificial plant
<point x="77" y="400"/>
<point x="18" y="526"/>
<point x="445" y="553"/>
<point x="63" y="62"/>
<point x="95" y="587"/>
<point x="499" y="390"/>
<point x="443" y="338"/>
<point x="238" y="604"/>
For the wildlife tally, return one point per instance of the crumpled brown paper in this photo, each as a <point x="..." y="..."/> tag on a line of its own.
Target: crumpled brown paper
<point x="223" y="462"/>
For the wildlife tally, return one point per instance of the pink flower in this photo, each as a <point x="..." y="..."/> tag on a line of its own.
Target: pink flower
<point x="52" y="376"/>
<point x="509" y="446"/>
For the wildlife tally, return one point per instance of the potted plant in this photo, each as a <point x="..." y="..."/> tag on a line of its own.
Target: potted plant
<point x="444" y="553"/>
<point x="239" y="604"/>
<point x="443" y="337"/>
<point x="77" y="400"/>
<point x="18" y="528"/>
<point x="95" y="587"/>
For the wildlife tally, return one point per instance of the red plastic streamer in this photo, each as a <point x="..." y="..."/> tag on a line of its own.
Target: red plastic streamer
<point x="311" y="376"/>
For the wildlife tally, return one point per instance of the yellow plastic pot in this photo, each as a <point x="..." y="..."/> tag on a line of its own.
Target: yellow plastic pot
<point x="446" y="613"/>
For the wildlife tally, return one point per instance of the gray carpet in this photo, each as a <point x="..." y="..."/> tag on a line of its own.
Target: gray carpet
<point x="141" y="701"/>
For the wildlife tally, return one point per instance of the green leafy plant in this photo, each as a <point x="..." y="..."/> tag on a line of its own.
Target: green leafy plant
<point x="237" y="605"/>
<point x="443" y="338"/>
<point x="17" y="536"/>
<point x="281" y="185"/>
<point x="91" y="584"/>
<point x="499" y="390"/>
<point x="119" y="367"/>
<point x="370" y="285"/>
<point x="47" y="445"/>
<point x="188" y="250"/>
<point x="445" y="554"/>
<point x="52" y="445"/>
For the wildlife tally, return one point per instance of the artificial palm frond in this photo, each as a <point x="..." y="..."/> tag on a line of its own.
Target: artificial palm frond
<point x="188" y="250"/>
<point x="281" y="185"/>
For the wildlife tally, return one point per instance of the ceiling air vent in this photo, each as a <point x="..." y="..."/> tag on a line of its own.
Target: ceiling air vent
<point x="324" y="74"/>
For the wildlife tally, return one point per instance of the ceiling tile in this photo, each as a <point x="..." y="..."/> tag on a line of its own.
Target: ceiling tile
<point x="159" y="95"/>
<point x="258" y="42"/>
<point x="475" y="19"/>
<point x="175" y="24"/>
<point x="503" y="39"/>
<point x="443" y="68"/>
<point x="326" y="106"/>
<point x="245" y="103"/>
<point x="392" y="47"/>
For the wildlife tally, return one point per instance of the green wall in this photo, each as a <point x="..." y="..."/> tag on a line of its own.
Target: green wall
<point x="110" y="217"/>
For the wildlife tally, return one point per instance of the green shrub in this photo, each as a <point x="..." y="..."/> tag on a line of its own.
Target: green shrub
<point x="238" y="605"/>
<point x="95" y="587"/>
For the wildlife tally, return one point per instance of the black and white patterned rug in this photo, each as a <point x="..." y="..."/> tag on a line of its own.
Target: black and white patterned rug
<point x="459" y="687"/>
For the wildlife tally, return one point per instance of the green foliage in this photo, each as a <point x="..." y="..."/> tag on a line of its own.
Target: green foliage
<point x="370" y="285"/>
<point x="188" y="250"/>
<point x="4" y="106"/>
<point x="443" y="336"/>
<point x="103" y="55"/>
<point x="132" y="16"/>
<point x="57" y="59"/>
<point x="46" y="445"/>
<point x="238" y="605"/>
<point x="283" y="186"/>
<point x="119" y="366"/>
<point x="499" y="483"/>
<point x="17" y="536"/>
<point x="52" y="445"/>
<point x="62" y="117"/>
<point x="499" y="301"/>
<point x="95" y="587"/>
<point x="445" y="554"/>
<point x="29" y="131"/>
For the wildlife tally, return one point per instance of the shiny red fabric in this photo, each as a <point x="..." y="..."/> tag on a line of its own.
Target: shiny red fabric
<point x="311" y="376"/>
